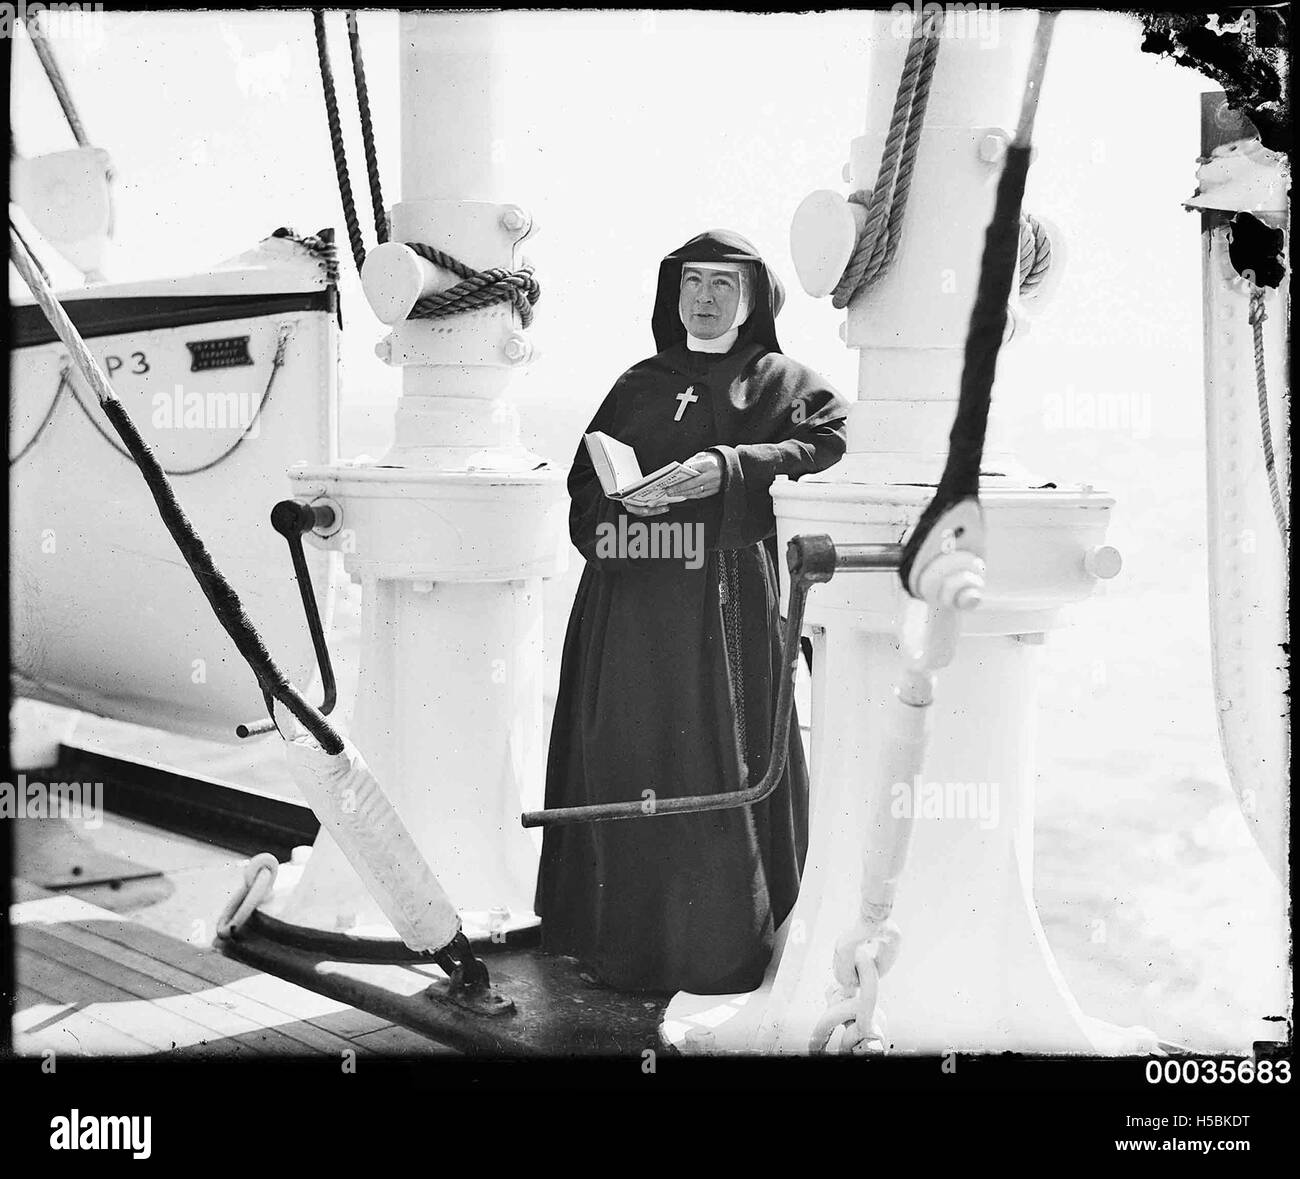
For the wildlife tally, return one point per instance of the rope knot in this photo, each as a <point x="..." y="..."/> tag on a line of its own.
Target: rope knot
<point x="478" y="288"/>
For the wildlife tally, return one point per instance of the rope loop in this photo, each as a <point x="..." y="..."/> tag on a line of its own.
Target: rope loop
<point x="477" y="288"/>
<point x="887" y="201"/>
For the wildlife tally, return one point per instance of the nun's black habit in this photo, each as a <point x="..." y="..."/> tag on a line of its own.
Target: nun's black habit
<point x="655" y="661"/>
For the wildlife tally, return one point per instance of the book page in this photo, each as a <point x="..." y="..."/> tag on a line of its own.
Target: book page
<point x="658" y="485"/>
<point x="620" y="461"/>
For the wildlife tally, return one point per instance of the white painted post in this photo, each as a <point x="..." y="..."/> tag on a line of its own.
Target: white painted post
<point x="451" y="535"/>
<point x="974" y="971"/>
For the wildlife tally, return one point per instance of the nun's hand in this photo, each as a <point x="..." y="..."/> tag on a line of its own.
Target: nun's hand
<point x="635" y="509"/>
<point x="706" y="482"/>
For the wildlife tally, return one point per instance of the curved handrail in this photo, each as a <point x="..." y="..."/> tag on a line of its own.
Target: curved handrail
<point x="810" y="559"/>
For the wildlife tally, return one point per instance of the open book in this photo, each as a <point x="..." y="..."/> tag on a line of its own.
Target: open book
<point x="620" y="473"/>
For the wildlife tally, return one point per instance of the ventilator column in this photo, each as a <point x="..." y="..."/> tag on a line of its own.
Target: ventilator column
<point x="974" y="971"/>
<point x="451" y="533"/>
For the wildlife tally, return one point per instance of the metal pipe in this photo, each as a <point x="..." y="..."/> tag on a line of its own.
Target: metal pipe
<point x="810" y="559"/>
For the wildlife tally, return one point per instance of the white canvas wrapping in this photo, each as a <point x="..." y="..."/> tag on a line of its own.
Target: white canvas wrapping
<point x="352" y="806"/>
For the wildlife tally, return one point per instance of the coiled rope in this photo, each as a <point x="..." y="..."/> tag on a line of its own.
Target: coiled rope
<point x="477" y="288"/>
<point x="480" y="288"/>
<point x="886" y="202"/>
<point x="1256" y="317"/>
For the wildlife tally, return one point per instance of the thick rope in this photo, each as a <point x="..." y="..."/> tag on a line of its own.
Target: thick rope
<point x="45" y="274"/>
<point x="480" y="288"/>
<point x="58" y="84"/>
<point x="1257" y="316"/>
<point x="999" y="265"/>
<point x="1035" y="252"/>
<point x="907" y="160"/>
<point x="336" y="141"/>
<point x="220" y="593"/>
<point x="477" y="288"/>
<point x="867" y="260"/>
<point x="367" y="130"/>
<point x="276" y="364"/>
<point x="887" y="201"/>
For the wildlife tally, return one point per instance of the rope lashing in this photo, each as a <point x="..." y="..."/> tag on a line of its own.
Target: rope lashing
<point x="477" y="288"/>
<point x="220" y="593"/>
<point x="1256" y="318"/>
<point x="887" y="201"/>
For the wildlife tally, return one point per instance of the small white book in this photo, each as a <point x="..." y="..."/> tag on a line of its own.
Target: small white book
<point x="620" y="473"/>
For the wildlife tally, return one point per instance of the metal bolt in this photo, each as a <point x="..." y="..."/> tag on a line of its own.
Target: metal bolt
<point x="518" y="348"/>
<point x="514" y="218"/>
<point x="967" y="598"/>
<point x="992" y="148"/>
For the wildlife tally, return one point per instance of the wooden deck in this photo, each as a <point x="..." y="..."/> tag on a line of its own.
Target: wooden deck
<point x="91" y="982"/>
<point x="113" y="931"/>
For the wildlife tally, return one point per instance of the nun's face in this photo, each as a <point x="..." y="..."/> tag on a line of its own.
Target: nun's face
<point x="709" y="301"/>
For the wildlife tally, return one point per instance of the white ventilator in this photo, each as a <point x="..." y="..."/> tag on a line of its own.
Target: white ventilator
<point x="66" y="196"/>
<point x="352" y="807"/>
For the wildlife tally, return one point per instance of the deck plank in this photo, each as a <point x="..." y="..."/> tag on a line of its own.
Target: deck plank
<point x="231" y="1013"/>
<point x="292" y="1001"/>
<point x="140" y="1025"/>
<point x="219" y="1022"/>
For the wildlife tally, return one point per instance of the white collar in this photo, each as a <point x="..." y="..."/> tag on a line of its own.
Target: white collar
<point x="722" y="343"/>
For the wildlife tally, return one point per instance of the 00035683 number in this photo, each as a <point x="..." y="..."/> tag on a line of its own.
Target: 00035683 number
<point x="1218" y="1072"/>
